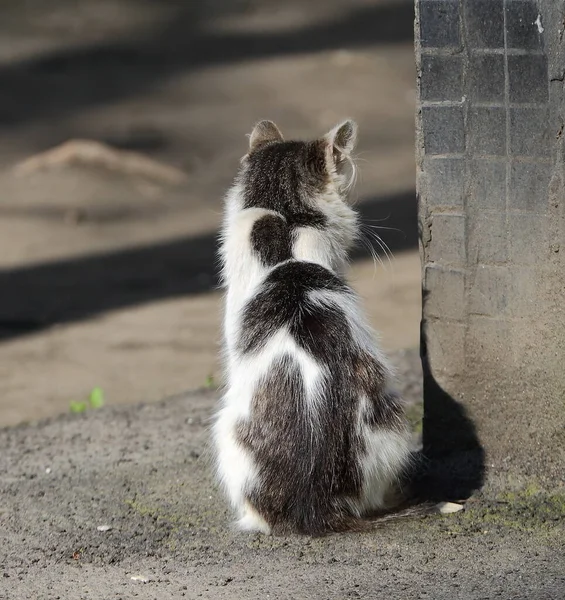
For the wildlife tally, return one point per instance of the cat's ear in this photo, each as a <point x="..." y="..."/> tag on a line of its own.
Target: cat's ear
<point x="341" y="140"/>
<point x="263" y="133"/>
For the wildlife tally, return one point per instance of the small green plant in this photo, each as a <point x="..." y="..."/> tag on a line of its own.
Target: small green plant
<point x="95" y="400"/>
<point x="78" y="407"/>
<point x="210" y="383"/>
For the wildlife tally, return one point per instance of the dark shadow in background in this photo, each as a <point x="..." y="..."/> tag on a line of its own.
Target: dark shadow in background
<point x="69" y="80"/>
<point x="33" y="298"/>
<point x="453" y="459"/>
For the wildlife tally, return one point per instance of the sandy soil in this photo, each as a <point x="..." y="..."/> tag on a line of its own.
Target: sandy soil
<point x="142" y="473"/>
<point x="109" y="280"/>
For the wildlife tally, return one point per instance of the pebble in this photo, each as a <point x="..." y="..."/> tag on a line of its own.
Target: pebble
<point x="447" y="508"/>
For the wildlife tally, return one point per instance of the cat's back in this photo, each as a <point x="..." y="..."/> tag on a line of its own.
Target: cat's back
<point x="303" y="298"/>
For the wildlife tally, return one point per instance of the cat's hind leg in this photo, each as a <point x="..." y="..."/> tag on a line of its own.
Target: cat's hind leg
<point x="251" y="520"/>
<point x="235" y="466"/>
<point x="388" y="454"/>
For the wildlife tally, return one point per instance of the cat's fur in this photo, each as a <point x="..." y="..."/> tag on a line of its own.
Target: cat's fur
<point x="309" y="438"/>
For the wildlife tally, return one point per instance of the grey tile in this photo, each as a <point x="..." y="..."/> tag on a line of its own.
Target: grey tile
<point x="489" y="290"/>
<point x="445" y="342"/>
<point x="487" y="339"/>
<point x="485" y="23"/>
<point x="528" y="239"/>
<point x="447" y="243"/>
<point x="441" y="78"/>
<point x="443" y="129"/>
<point x="521" y="26"/>
<point x="439" y="24"/>
<point x="529" y="132"/>
<point x="528" y="78"/>
<point x="486" y="78"/>
<point x="487" y="237"/>
<point x="445" y="292"/>
<point x="445" y="181"/>
<point x="487" y="131"/>
<point x="529" y="183"/>
<point x="488" y="184"/>
<point x="527" y="282"/>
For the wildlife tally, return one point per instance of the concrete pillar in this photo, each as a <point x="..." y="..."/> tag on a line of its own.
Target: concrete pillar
<point x="490" y="179"/>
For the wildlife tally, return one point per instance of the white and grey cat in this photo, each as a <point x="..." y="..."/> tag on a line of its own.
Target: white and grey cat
<point x="309" y="439"/>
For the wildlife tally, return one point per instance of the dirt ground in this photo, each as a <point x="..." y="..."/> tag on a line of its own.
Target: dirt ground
<point x="108" y="279"/>
<point x="142" y="474"/>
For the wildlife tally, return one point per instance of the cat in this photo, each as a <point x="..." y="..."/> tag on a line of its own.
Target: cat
<point x="309" y="438"/>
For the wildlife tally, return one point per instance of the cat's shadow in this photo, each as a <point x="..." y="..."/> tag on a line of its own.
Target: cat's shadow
<point x="452" y="465"/>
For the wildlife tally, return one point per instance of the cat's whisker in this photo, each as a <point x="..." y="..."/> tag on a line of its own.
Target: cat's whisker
<point x="383" y="227"/>
<point x="373" y="227"/>
<point x="360" y="153"/>
<point x="353" y="176"/>
<point x="382" y="245"/>
<point x="353" y="199"/>
<point x="377" y="220"/>
<point x="377" y="259"/>
<point x="372" y="252"/>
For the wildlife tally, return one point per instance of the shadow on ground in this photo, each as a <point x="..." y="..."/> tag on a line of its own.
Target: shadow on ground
<point x="69" y="80"/>
<point x="36" y="297"/>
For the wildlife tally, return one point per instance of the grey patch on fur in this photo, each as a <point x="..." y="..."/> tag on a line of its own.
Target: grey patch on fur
<point x="281" y="176"/>
<point x="271" y="239"/>
<point x="281" y="299"/>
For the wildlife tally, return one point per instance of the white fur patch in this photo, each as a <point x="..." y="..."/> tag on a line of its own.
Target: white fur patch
<point x="235" y="466"/>
<point x="236" y="469"/>
<point x="387" y="454"/>
<point x="252" y="521"/>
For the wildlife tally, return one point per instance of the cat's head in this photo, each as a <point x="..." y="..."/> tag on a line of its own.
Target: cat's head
<point x="308" y="182"/>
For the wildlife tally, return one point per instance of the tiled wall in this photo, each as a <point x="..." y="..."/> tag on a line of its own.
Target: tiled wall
<point x="489" y="128"/>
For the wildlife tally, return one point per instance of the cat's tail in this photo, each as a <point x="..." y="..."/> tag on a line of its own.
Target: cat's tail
<point x="343" y="523"/>
<point x="415" y="511"/>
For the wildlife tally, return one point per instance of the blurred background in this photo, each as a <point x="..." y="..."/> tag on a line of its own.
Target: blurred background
<point x="121" y="126"/>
